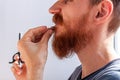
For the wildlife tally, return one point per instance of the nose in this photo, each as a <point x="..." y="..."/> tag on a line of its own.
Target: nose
<point x="55" y="9"/>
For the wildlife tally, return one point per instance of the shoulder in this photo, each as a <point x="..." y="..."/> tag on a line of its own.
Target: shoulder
<point x="113" y="75"/>
<point x="76" y="73"/>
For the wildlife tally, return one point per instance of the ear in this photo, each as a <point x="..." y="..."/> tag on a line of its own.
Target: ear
<point x="104" y="11"/>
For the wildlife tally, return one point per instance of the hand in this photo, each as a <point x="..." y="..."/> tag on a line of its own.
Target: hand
<point x="33" y="48"/>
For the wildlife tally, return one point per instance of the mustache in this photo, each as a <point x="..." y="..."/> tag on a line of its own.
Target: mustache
<point x="58" y="19"/>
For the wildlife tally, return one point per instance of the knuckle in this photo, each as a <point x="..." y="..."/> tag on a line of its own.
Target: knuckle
<point x="31" y="30"/>
<point x="19" y="44"/>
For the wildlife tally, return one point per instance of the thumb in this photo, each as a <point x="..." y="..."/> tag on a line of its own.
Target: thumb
<point x="46" y="36"/>
<point x="15" y="73"/>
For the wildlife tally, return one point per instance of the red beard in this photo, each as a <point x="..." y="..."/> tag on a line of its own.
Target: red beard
<point x="70" y="41"/>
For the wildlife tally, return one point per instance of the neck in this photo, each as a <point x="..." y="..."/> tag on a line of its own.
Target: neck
<point x="95" y="56"/>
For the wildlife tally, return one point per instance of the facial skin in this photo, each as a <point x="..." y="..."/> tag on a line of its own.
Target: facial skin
<point x="72" y="26"/>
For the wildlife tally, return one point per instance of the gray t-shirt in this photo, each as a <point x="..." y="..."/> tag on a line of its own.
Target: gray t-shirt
<point x="111" y="71"/>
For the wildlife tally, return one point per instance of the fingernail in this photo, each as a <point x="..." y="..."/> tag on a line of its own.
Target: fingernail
<point x="17" y="57"/>
<point x="19" y="72"/>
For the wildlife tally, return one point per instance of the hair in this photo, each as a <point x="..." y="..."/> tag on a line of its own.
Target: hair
<point x="115" y="22"/>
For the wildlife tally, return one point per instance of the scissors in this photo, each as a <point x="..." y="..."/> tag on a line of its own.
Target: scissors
<point x="19" y="60"/>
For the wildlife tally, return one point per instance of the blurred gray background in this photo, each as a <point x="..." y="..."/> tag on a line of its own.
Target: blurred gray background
<point x="19" y="16"/>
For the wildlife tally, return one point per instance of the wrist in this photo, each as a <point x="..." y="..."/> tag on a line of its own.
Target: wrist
<point x="36" y="73"/>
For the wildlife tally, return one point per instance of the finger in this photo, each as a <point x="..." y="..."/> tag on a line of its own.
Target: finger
<point x="16" y="57"/>
<point x="17" y="68"/>
<point x="31" y="34"/>
<point x="46" y="36"/>
<point x="14" y="72"/>
<point x="40" y="36"/>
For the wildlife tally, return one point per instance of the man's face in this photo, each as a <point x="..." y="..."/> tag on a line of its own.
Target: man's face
<point x="72" y="33"/>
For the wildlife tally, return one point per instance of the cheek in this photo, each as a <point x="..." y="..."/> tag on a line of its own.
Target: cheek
<point x="68" y="14"/>
<point x="71" y="18"/>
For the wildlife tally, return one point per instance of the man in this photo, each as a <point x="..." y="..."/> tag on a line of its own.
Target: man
<point x="84" y="27"/>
